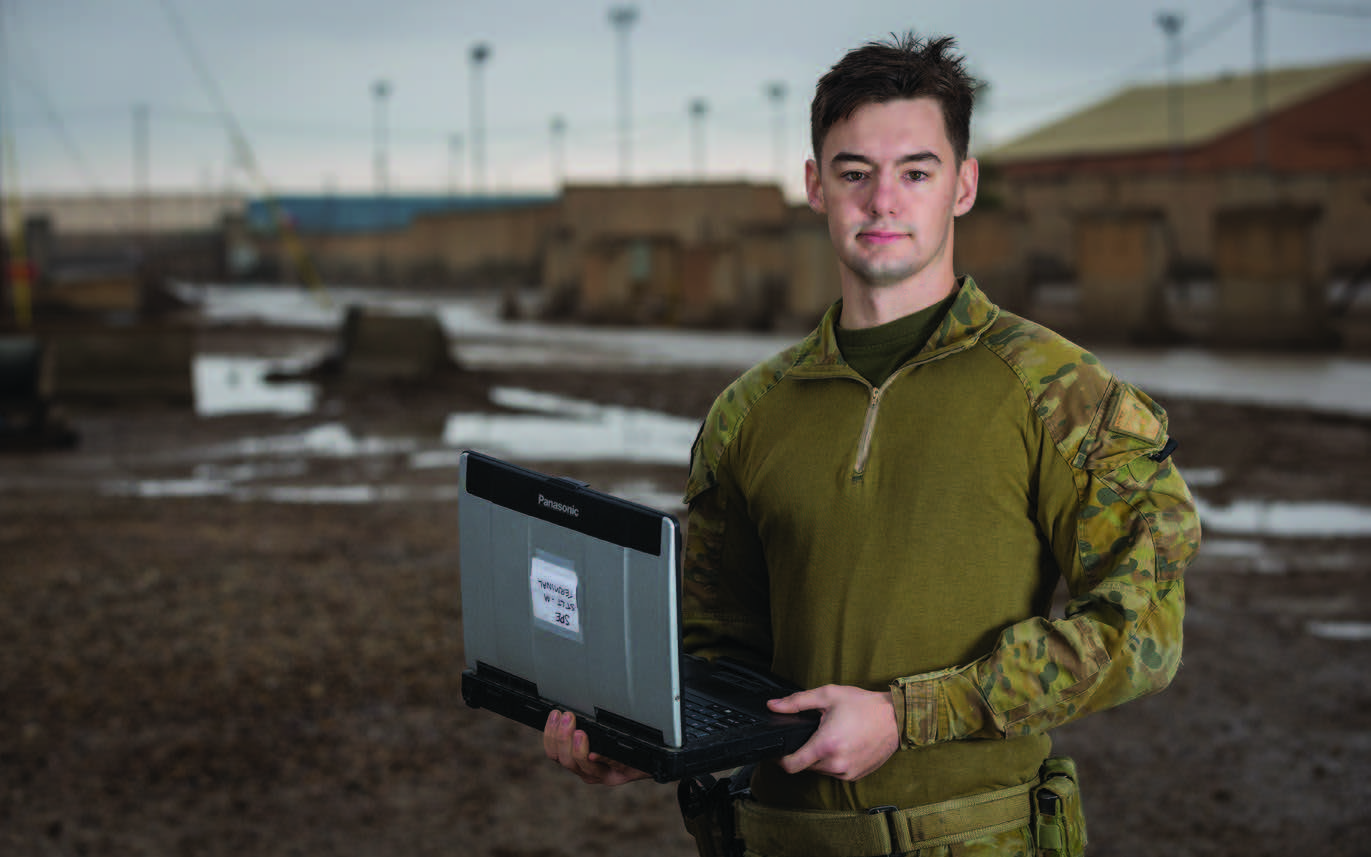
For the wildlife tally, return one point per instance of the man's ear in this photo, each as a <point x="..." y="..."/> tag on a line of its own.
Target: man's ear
<point x="968" y="178"/>
<point x="814" y="188"/>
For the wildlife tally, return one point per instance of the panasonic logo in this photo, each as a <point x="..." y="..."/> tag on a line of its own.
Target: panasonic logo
<point x="564" y="508"/>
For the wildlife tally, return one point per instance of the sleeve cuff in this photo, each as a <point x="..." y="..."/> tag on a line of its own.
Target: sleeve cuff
<point x="927" y="705"/>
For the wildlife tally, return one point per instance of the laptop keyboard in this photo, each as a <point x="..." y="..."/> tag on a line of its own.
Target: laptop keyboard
<point x="706" y="717"/>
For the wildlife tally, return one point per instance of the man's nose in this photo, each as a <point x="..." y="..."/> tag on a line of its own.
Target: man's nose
<point x="884" y="195"/>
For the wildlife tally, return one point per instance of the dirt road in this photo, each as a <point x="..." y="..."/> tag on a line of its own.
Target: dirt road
<point x="223" y="675"/>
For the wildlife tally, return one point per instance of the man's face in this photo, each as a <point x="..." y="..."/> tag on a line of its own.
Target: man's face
<point x="889" y="182"/>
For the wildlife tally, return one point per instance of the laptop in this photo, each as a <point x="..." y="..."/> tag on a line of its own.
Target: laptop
<point x="571" y="601"/>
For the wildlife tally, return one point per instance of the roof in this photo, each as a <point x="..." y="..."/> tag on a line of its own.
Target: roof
<point x="1138" y="118"/>
<point x="344" y="213"/>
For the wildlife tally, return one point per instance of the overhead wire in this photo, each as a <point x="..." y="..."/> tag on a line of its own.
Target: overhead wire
<point x="16" y="275"/>
<point x="1336" y="9"/>
<point x="243" y="151"/>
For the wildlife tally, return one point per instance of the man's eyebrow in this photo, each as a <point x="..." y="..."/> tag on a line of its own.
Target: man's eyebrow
<point x="917" y="157"/>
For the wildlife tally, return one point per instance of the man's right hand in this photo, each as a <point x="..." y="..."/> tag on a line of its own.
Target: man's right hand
<point x="569" y="747"/>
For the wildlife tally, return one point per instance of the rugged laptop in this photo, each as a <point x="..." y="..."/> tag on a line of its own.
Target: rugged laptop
<point x="570" y="600"/>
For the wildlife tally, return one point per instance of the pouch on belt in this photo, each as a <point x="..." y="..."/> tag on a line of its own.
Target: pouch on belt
<point x="1058" y="814"/>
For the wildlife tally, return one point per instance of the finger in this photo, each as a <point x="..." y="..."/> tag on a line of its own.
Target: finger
<point x="562" y="737"/>
<point x="800" y="760"/>
<point x="550" y="734"/>
<point x="804" y="700"/>
<point x="591" y="770"/>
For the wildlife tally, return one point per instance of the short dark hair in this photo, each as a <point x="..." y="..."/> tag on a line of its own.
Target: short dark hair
<point x="902" y="67"/>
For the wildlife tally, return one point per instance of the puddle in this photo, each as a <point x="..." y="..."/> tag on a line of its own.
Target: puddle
<point x="330" y="440"/>
<point x="1286" y="519"/>
<point x="1247" y="556"/>
<point x="649" y="494"/>
<point x="482" y="338"/>
<point x="1202" y="477"/>
<point x="1346" y="631"/>
<point x="551" y="427"/>
<point x="564" y="429"/>
<point x="237" y="385"/>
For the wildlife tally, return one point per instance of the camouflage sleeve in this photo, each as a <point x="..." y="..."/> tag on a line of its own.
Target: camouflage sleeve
<point x="1123" y="540"/>
<point x="724" y="614"/>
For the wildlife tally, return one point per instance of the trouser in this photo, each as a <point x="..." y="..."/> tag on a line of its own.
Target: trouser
<point x="1043" y="818"/>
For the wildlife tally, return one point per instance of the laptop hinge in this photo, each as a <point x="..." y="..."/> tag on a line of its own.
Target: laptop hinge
<point x="629" y="727"/>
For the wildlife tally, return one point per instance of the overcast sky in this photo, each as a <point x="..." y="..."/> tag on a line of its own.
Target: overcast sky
<point x="298" y="77"/>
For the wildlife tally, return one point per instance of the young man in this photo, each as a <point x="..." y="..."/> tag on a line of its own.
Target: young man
<point x="882" y="512"/>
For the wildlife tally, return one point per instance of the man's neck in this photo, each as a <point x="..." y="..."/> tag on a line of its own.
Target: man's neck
<point x="867" y="306"/>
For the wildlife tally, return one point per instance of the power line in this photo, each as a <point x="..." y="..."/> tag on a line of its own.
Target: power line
<point x="1338" y="9"/>
<point x="242" y="150"/>
<point x="1201" y="38"/>
<point x="1215" y="28"/>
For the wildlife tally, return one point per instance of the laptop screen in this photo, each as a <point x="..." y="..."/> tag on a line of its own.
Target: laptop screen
<point x="571" y="590"/>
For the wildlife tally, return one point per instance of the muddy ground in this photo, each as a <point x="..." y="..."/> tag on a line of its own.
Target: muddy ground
<point x="220" y="676"/>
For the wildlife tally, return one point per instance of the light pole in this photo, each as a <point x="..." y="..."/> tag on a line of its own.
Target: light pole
<point x="1171" y="22"/>
<point x="380" y="92"/>
<point x="480" y="53"/>
<point x="1262" y="140"/>
<point x="776" y="92"/>
<point x="557" y="139"/>
<point x="141" y="160"/>
<point x="699" y="109"/>
<point x="622" y="18"/>
<point x="454" y="163"/>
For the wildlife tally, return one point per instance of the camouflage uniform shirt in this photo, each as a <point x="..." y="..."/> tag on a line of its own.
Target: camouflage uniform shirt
<point x="910" y="537"/>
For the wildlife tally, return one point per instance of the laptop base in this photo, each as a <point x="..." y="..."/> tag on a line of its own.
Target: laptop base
<point x="781" y="734"/>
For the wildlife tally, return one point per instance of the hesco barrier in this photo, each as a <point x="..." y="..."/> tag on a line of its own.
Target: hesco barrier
<point x="380" y="345"/>
<point x="123" y="363"/>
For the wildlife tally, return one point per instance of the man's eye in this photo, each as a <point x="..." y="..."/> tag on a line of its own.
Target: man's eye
<point x="852" y="176"/>
<point x="916" y="175"/>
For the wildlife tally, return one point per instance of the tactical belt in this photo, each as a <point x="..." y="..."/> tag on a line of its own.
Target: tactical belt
<point x="882" y="831"/>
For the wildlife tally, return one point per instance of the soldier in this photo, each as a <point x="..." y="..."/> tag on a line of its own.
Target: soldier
<point x="882" y="512"/>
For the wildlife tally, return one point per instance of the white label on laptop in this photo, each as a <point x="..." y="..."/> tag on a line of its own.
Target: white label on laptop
<point x="555" y="590"/>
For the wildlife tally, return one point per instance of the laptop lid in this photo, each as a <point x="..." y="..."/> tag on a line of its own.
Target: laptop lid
<point x="571" y="593"/>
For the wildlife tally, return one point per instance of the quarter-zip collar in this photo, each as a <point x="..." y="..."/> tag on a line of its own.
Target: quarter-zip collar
<point x="817" y="357"/>
<point x="970" y="315"/>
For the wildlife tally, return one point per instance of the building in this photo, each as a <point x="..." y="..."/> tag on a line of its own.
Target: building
<point x="1259" y="184"/>
<point x="1286" y="122"/>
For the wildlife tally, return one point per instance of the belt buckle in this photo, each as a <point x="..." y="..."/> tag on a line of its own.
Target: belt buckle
<point x="889" y="811"/>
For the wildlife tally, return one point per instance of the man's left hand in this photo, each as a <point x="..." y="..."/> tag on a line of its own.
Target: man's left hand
<point x="857" y="734"/>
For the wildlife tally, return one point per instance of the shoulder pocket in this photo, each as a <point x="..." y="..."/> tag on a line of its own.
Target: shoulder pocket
<point x="1132" y="426"/>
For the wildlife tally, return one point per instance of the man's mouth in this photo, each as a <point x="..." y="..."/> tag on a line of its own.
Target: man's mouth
<point x="880" y="236"/>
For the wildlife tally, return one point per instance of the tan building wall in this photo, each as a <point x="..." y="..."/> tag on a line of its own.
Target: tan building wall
<point x="441" y="248"/>
<point x="1189" y="205"/>
<point x="128" y="214"/>
<point x="814" y="283"/>
<point x="626" y="280"/>
<point x="1121" y="262"/>
<point x="695" y="213"/>
<point x="708" y="281"/>
<point x="718" y="253"/>
<point x="988" y="244"/>
<point x="1268" y="289"/>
